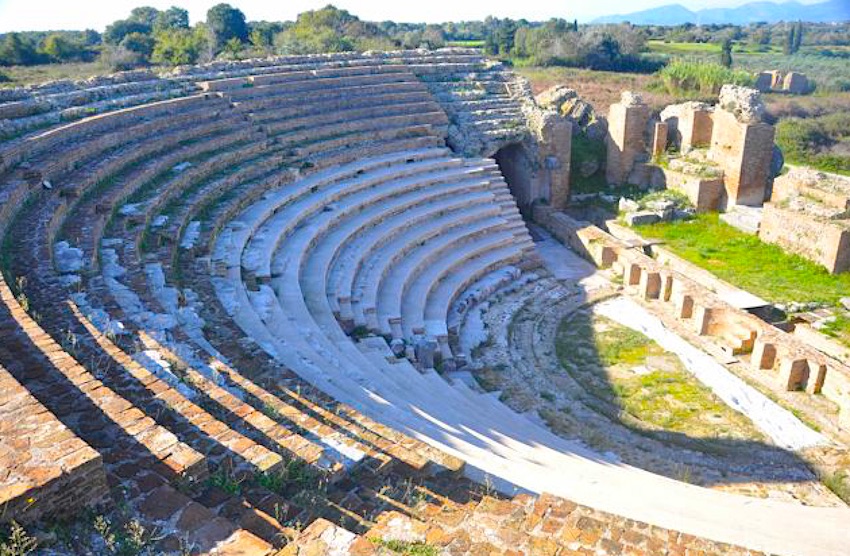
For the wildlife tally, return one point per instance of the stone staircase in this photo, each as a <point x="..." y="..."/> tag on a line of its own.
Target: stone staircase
<point x="227" y="312"/>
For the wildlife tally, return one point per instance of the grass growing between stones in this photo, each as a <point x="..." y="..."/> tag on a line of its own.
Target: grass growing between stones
<point x="745" y="261"/>
<point x="651" y="386"/>
<point x="406" y="548"/>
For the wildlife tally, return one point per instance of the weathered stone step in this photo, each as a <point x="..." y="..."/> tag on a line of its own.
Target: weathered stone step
<point x="74" y="389"/>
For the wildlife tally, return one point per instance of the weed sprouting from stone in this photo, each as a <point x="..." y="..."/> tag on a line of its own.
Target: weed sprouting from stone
<point x="17" y="542"/>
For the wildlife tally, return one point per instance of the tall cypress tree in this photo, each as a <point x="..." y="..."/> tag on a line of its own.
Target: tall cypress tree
<point x="788" y="48"/>
<point x="726" y="53"/>
<point x="798" y="37"/>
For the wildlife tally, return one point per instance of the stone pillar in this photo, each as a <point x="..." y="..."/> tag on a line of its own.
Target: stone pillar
<point x="763" y="356"/>
<point x="816" y="374"/>
<point x="604" y="256"/>
<point x="795" y="83"/>
<point x="395" y="327"/>
<point x="689" y="124"/>
<point x="631" y="274"/>
<point x="445" y="350"/>
<point x="742" y="145"/>
<point x="702" y="316"/>
<point x="345" y="311"/>
<point x="659" y="139"/>
<point x="650" y="284"/>
<point x="666" y="286"/>
<point x="627" y="121"/>
<point x="552" y="136"/>
<point x="684" y="305"/>
<point x="764" y="81"/>
<point x="370" y="316"/>
<point x="793" y="373"/>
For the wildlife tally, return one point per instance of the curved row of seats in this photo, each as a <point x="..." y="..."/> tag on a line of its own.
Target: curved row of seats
<point x="121" y="188"/>
<point x="179" y="281"/>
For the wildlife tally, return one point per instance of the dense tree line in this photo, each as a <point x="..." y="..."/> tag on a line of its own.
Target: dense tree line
<point x="562" y="42"/>
<point x="30" y="48"/>
<point x="789" y="36"/>
<point x="165" y="37"/>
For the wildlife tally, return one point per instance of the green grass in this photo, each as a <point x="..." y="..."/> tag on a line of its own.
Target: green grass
<point x="406" y="548"/>
<point x="603" y="356"/>
<point x="618" y="345"/>
<point x="810" y="141"/>
<point x="839" y="329"/>
<point x="683" y="48"/>
<point x="746" y="262"/>
<point x="694" y="77"/>
<point x="23" y="75"/>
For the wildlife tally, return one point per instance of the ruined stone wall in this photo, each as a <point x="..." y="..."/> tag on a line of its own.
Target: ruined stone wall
<point x="706" y="194"/>
<point x="821" y="241"/>
<point x="626" y="141"/>
<point x="744" y="152"/>
<point x="552" y="140"/>
<point x="780" y="357"/>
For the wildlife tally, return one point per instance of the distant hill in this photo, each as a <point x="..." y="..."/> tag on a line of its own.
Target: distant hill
<point x="771" y="12"/>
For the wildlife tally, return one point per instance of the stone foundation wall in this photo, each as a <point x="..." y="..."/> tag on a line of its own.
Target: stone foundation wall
<point x="787" y="362"/>
<point x="817" y="240"/>
<point x="706" y="194"/>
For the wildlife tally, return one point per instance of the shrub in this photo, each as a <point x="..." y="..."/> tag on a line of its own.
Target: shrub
<point x="704" y="78"/>
<point x="17" y="542"/>
<point x="808" y="141"/>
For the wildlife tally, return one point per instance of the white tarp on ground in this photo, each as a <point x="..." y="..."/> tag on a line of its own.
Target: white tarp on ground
<point x="779" y="424"/>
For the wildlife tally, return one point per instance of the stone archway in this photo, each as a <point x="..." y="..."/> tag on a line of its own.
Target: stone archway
<point x="519" y="169"/>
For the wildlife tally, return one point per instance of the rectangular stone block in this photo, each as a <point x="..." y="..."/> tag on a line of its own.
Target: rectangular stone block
<point x="659" y="139"/>
<point x="650" y="284"/>
<point x="816" y="376"/>
<point x="763" y="355"/>
<point x="631" y="274"/>
<point x="702" y="317"/>
<point x="793" y="373"/>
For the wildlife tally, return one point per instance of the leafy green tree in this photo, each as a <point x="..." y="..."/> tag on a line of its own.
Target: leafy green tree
<point x="116" y="32"/>
<point x="172" y="18"/>
<point x="145" y="15"/>
<point x="60" y="49"/>
<point x="232" y="48"/>
<point x="90" y="37"/>
<point x="726" y="53"/>
<point x="140" y="44"/>
<point x="175" y="47"/>
<point x="333" y="30"/>
<point x="15" y="51"/>
<point x="262" y="34"/>
<point x="226" y="22"/>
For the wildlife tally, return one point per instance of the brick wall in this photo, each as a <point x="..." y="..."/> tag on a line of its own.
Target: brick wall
<point x="45" y="469"/>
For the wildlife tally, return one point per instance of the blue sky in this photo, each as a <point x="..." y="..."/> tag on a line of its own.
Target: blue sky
<point x="26" y="15"/>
